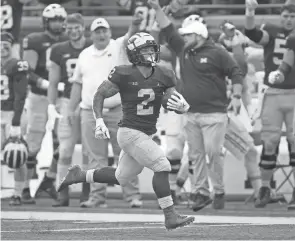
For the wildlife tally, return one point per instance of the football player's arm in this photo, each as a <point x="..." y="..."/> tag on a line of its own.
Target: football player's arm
<point x="106" y="90"/>
<point x="76" y="91"/>
<point x="257" y="35"/>
<point x="31" y="55"/>
<point x="54" y="75"/>
<point x="173" y="38"/>
<point x="232" y="70"/>
<point x="20" y="86"/>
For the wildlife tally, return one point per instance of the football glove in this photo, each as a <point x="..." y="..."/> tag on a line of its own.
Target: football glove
<point x="276" y="77"/>
<point x="101" y="131"/>
<point x="15" y="131"/>
<point x="177" y="103"/>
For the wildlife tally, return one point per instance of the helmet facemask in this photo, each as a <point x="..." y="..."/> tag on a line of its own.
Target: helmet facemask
<point x="145" y="55"/>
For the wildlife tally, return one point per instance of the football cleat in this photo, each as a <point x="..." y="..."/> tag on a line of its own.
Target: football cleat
<point x="174" y="220"/>
<point x="263" y="197"/>
<point x="135" y="203"/>
<point x="27" y="198"/>
<point x="15" y="201"/>
<point x="200" y="201"/>
<point x="47" y="185"/>
<point x="74" y="175"/>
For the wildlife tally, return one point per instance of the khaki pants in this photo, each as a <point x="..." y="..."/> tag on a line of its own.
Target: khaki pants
<point x="205" y="136"/>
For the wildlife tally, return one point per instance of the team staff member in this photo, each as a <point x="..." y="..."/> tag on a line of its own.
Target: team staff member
<point x="204" y="68"/>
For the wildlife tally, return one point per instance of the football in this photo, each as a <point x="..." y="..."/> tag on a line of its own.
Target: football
<point x="166" y="97"/>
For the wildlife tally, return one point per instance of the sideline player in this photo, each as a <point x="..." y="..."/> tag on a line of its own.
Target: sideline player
<point x="11" y="15"/>
<point x="63" y="60"/>
<point x="286" y="70"/>
<point x="37" y="51"/>
<point x="279" y="98"/>
<point x="14" y="82"/>
<point x="141" y="101"/>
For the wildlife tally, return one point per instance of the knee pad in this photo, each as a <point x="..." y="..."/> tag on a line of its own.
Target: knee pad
<point x="175" y="165"/>
<point x="31" y="162"/>
<point x="268" y="162"/>
<point x="162" y="165"/>
<point x="292" y="159"/>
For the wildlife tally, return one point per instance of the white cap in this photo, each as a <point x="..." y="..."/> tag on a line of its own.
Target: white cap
<point x="229" y="26"/>
<point x="99" y="23"/>
<point x="195" y="27"/>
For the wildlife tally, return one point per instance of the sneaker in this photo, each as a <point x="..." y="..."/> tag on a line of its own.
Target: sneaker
<point x="200" y="201"/>
<point x="218" y="201"/>
<point x="263" y="197"/>
<point x="135" y="203"/>
<point x="74" y="175"/>
<point x="291" y="205"/>
<point x="174" y="220"/>
<point x="26" y="197"/>
<point x="15" y="201"/>
<point x="93" y="203"/>
<point x="47" y="185"/>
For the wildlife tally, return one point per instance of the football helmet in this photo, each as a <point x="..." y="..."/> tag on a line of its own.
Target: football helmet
<point x="15" y="152"/>
<point x="136" y="44"/>
<point x="54" y="12"/>
<point x="192" y="18"/>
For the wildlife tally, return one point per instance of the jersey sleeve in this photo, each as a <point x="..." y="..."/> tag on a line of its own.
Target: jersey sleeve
<point x="55" y="54"/>
<point x="31" y="42"/>
<point x="114" y="76"/>
<point x="270" y="29"/>
<point x="291" y="42"/>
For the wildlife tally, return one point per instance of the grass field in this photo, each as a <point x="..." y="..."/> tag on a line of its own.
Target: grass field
<point x="118" y="222"/>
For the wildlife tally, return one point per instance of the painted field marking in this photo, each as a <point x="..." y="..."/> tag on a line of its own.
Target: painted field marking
<point x="142" y="218"/>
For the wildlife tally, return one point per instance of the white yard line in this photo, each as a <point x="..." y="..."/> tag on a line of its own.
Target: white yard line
<point x="115" y="228"/>
<point x="142" y="218"/>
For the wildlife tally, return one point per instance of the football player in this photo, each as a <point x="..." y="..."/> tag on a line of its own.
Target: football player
<point x="63" y="59"/>
<point x="37" y="51"/>
<point x="279" y="97"/>
<point x="141" y="86"/>
<point x="14" y="82"/>
<point x="285" y="71"/>
<point x="11" y="14"/>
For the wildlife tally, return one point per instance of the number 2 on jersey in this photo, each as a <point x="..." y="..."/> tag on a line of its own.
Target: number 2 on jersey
<point x="279" y="49"/>
<point x="142" y="108"/>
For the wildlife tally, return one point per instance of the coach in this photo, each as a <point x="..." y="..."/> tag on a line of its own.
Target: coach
<point x="93" y="67"/>
<point x="204" y="67"/>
